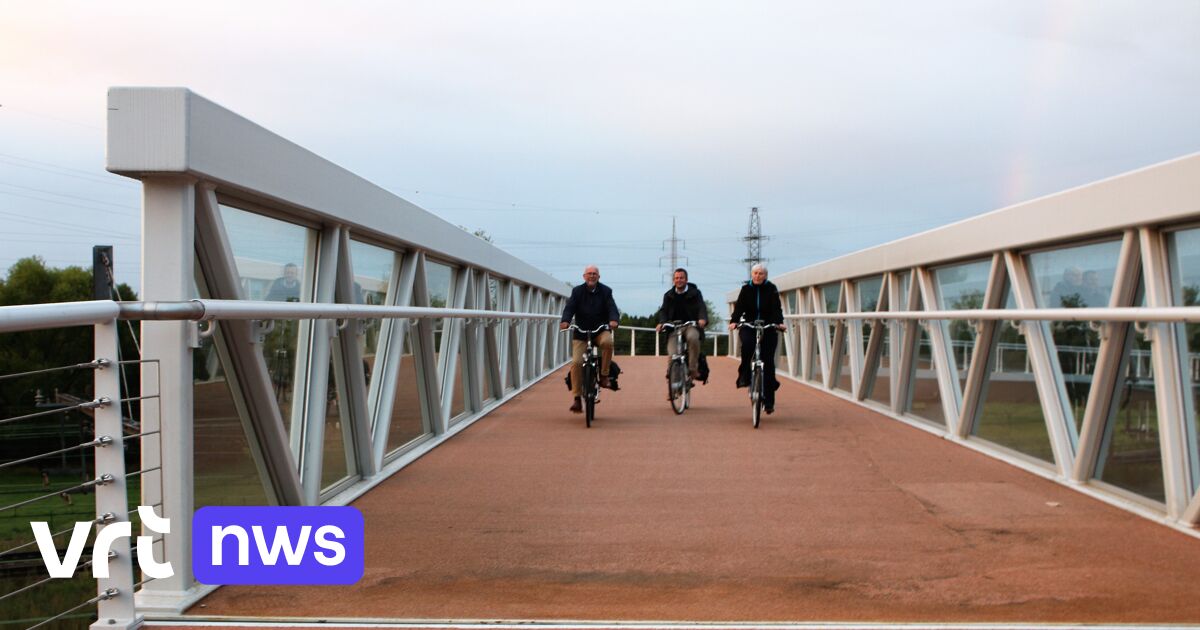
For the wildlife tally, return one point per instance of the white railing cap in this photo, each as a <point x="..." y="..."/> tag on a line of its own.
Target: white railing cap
<point x="174" y="131"/>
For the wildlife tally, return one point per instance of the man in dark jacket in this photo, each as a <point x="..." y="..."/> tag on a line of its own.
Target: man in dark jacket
<point x="759" y="299"/>
<point x="684" y="303"/>
<point x="591" y="304"/>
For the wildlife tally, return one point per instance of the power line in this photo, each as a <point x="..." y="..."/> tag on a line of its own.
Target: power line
<point x="113" y="180"/>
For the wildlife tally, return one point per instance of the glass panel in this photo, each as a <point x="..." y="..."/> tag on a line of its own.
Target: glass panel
<point x="1131" y="457"/>
<point x="225" y="473"/>
<point x="881" y="390"/>
<point x="831" y="292"/>
<point x="458" y="403"/>
<point x="372" y="274"/>
<point x="926" y="398"/>
<point x="484" y="381"/>
<point x="792" y="300"/>
<point x="816" y="372"/>
<point x="962" y="287"/>
<point x="438" y="278"/>
<point x="336" y="463"/>
<point x="407" y="423"/>
<point x="1011" y="415"/>
<point x="844" y="377"/>
<point x="868" y="301"/>
<point x="1073" y="278"/>
<point x="1184" y="252"/>
<point x="272" y="259"/>
<point x="494" y="294"/>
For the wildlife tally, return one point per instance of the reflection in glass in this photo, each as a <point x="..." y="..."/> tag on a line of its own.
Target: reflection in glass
<point x="406" y="422"/>
<point x="336" y="459"/>
<point x="962" y="287"/>
<point x="1184" y="251"/>
<point x="438" y="278"/>
<point x="272" y="259"/>
<point x="867" y="291"/>
<point x="1075" y="277"/>
<point x="372" y="274"/>
<point x="225" y="473"/>
<point x="926" y="398"/>
<point x="1130" y="456"/>
<point x="881" y="390"/>
<point x="458" y="402"/>
<point x="1011" y="415"/>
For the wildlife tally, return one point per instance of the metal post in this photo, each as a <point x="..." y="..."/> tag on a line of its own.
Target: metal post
<point x="102" y="269"/>
<point x="168" y="228"/>
<point x="632" y="347"/>
<point x="112" y="502"/>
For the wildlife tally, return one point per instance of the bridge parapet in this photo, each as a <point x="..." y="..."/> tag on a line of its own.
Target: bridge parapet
<point x="1060" y="335"/>
<point x="293" y="410"/>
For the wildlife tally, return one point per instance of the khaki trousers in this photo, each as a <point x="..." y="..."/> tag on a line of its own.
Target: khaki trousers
<point x="602" y="340"/>
<point x="693" y="347"/>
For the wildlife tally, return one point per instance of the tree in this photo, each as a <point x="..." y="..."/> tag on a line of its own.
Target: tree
<point x="481" y="233"/>
<point x="30" y="281"/>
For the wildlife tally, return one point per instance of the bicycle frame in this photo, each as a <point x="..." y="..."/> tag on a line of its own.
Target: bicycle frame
<point x="679" y="391"/>
<point x="757" y="380"/>
<point x="590" y="372"/>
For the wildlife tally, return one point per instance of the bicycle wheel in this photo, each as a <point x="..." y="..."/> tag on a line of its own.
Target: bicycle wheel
<point x="589" y="392"/>
<point x="678" y="384"/>
<point x="756" y="396"/>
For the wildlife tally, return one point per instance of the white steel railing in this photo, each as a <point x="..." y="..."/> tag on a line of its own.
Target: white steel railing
<point x="1118" y="257"/>
<point x="660" y="342"/>
<point x="114" y="599"/>
<point x="115" y="605"/>
<point x="231" y="212"/>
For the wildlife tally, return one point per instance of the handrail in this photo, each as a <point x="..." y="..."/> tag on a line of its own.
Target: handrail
<point x="1178" y="314"/>
<point x="56" y="315"/>
<point x="259" y="309"/>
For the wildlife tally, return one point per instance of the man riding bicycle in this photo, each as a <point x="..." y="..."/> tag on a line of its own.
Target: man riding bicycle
<point x="682" y="303"/>
<point x="759" y="300"/>
<point x="592" y="305"/>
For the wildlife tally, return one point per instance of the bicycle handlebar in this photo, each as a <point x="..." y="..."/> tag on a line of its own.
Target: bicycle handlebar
<point x="757" y="324"/>
<point x="586" y="332"/>
<point x="678" y="324"/>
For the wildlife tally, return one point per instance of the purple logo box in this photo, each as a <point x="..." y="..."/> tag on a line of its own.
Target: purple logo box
<point x="278" y="545"/>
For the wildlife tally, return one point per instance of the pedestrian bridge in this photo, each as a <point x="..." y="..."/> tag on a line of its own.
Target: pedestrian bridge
<point x="993" y="421"/>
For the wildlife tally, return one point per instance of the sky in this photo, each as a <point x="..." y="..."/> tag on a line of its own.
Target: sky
<point x="575" y="133"/>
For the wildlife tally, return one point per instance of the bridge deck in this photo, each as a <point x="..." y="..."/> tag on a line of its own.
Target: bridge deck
<point x="829" y="512"/>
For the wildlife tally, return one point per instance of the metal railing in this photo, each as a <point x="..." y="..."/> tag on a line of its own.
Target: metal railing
<point x="114" y="601"/>
<point x="109" y="479"/>
<point x="659" y="341"/>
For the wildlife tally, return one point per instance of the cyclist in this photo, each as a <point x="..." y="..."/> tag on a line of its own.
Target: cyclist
<point x="684" y="302"/>
<point x="592" y="305"/>
<point x="759" y="299"/>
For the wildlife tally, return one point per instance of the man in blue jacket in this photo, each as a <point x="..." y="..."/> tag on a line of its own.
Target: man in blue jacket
<point x="591" y="305"/>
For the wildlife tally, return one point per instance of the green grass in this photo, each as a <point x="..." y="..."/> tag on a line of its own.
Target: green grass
<point x="49" y="599"/>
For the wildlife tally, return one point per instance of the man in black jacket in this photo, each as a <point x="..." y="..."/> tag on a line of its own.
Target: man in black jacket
<point x="684" y="303"/>
<point x="591" y="304"/>
<point x="759" y="299"/>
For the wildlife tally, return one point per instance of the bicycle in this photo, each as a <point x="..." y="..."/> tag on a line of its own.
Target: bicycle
<point x="756" y="370"/>
<point x="679" y="382"/>
<point x="590" y="373"/>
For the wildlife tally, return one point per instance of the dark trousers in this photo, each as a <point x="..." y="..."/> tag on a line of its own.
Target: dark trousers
<point x="767" y="354"/>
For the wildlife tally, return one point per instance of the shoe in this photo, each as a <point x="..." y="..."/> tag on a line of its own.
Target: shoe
<point x="577" y="406"/>
<point x="695" y="375"/>
<point x="776" y="386"/>
<point x="770" y="409"/>
<point x="741" y="382"/>
<point x="604" y="382"/>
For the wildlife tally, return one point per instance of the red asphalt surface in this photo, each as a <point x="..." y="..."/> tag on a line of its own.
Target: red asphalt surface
<point x="828" y="513"/>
